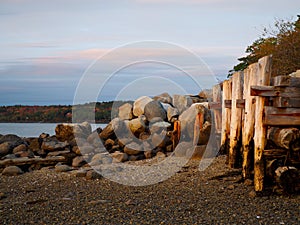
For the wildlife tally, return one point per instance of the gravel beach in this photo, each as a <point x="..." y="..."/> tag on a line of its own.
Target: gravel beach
<point x="213" y="196"/>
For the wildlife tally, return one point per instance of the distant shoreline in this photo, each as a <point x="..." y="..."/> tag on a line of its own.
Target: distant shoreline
<point x="104" y="111"/>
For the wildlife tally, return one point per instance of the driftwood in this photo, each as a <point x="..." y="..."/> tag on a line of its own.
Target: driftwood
<point x="27" y="161"/>
<point x="288" y="138"/>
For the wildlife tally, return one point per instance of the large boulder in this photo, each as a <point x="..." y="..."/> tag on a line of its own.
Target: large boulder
<point x="154" y="109"/>
<point x="78" y="161"/>
<point x="67" y="132"/>
<point x="137" y="125"/>
<point x="14" y="140"/>
<point x="107" y="132"/>
<point x="164" y="98"/>
<point x="52" y="144"/>
<point x="125" y="111"/>
<point x="182" y="102"/>
<point x="119" y="156"/>
<point x="188" y="117"/>
<point x="139" y="105"/>
<point x="115" y="127"/>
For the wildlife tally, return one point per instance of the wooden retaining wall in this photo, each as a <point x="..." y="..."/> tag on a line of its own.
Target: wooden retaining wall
<point x="246" y="108"/>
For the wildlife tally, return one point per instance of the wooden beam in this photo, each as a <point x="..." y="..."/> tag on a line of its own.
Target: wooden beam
<point x="271" y="91"/>
<point x="284" y="81"/>
<point x="260" y="133"/>
<point x="281" y="116"/>
<point x="240" y="103"/>
<point x="286" y="102"/>
<point x="215" y="105"/>
<point x="227" y="103"/>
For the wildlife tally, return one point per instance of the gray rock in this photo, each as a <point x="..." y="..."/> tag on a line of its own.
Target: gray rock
<point x="137" y="126"/>
<point x="133" y="148"/>
<point x="28" y="154"/>
<point x="159" y="140"/>
<point x="154" y="109"/>
<point x="93" y="175"/>
<point x="182" y="148"/>
<point x="125" y="111"/>
<point x="86" y="149"/>
<point x="62" y="168"/>
<point x="139" y="105"/>
<point x="159" y="127"/>
<point x="52" y="144"/>
<point x="78" y="161"/>
<point x="107" y="132"/>
<point x="81" y="173"/>
<point x="109" y="143"/>
<point x="14" y="140"/>
<point x="5" y="148"/>
<point x="92" y="137"/>
<point x="101" y="158"/>
<point x="20" y="148"/>
<point x="34" y="144"/>
<point x="172" y="114"/>
<point x="182" y="102"/>
<point x="164" y="98"/>
<point x="119" y="156"/>
<point x="12" y="171"/>
<point x="124" y="141"/>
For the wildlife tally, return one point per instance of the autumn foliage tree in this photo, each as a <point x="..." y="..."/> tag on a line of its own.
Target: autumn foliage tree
<point x="282" y="42"/>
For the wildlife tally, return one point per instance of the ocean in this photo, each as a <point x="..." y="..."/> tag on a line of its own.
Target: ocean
<point x="33" y="129"/>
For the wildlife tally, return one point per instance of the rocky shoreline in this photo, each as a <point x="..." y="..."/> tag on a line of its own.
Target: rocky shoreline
<point x="142" y="130"/>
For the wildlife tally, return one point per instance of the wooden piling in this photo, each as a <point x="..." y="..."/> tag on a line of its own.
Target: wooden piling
<point x="226" y="117"/>
<point x="217" y="97"/>
<point x="236" y="120"/>
<point x="250" y="78"/>
<point x="264" y="73"/>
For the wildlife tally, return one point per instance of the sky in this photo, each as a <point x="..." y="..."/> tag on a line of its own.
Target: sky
<point x="49" y="47"/>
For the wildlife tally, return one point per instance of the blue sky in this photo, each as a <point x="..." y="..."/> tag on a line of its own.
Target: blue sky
<point x="46" y="46"/>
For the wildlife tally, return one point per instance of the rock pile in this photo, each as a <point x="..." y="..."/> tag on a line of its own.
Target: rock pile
<point x="144" y="129"/>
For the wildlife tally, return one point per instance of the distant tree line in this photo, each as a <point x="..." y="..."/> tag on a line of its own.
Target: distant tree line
<point x="282" y="41"/>
<point x="103" y="112"/>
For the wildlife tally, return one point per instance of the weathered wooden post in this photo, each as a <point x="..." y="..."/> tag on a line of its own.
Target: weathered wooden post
<point x="264" y="73"/>
<point x="236" y="120"/>
<point x="226" y="116"/>
<point x="217" y="98"/>
<point x="250" y="78"/>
